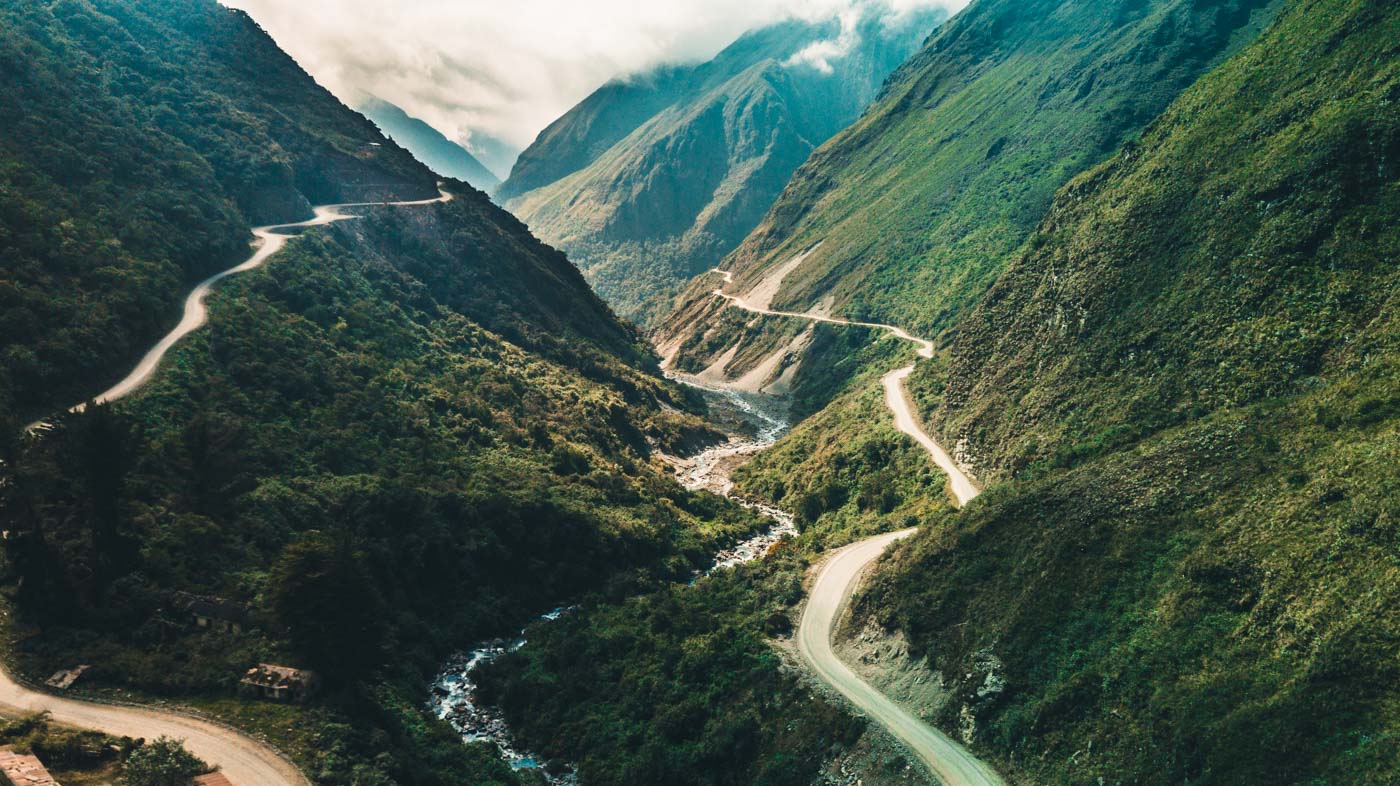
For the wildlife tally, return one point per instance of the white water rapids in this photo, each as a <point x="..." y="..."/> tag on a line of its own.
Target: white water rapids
<point x="759" y="421"/>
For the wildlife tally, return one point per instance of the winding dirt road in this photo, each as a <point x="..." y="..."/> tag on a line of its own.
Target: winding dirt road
<point x="840" y="576"/>
<point x="897" y="398"/>
<point x="243" y="760"/>
<point x="270" y="240"/>
<point x="951" y="763"/>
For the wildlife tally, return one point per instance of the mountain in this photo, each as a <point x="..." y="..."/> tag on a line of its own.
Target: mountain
<point x="494" y="153"/>
<point x="116" y="193"/>
<point x="911" y="213"/>
<point x="653" y="179"/>
<point x="1186" y="385"/>
<point x="402" y="435"/>
<point x="1155" y="243"/>
<point x="428" y="145"/>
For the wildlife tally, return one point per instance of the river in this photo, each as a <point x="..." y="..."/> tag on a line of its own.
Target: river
<point x="754" y="423"/>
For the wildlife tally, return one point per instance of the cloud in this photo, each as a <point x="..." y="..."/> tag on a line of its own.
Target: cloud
<point x="820" y="54"/>
<point x="485" y="71"/>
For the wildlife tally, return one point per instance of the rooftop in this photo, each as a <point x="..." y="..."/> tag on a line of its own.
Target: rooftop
<point x="273" y="676"/>
<point x="23" y="770"/>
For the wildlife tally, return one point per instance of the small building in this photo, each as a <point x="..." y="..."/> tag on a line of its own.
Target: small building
<point x="218" y="615"/>
<point x="212" y="779"/>
<point x="279" y="683"/>
<point x="63" y="680"/>
<point x="22" y="770"/>
<point x="208" y="612"/>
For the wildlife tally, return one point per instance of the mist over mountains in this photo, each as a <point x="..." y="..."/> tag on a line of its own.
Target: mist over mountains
<point x="878" y="392"/>
<point x="653" y="179"/>
<point x="428" y="145"/>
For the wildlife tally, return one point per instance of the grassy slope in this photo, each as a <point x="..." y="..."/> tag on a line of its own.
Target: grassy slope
<point x="691" y="179"/>
<point x="1206" y="325"/>
<point x="923" y="201"/>
<point x="140" y="141"/>
<point x="1239" y="250"/>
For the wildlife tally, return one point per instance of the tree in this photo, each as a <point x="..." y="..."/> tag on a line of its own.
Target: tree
<point x="104" y="449"/>
<point x="328" y="601"/>
<point x="164" y="762"/>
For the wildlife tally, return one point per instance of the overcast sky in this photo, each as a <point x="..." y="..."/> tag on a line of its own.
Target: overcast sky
<point x="510" y="67"/>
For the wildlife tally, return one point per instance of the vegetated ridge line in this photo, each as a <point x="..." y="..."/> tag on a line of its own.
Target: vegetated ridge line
<point x="840" y="575"/>
<point x="268" y="241"/>
<point x="243" y="760"/>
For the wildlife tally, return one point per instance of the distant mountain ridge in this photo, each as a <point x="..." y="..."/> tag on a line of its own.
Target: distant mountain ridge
<point x="428" y="145"/>
<point x="919" y="204"/>
<point x="650" y="180"/>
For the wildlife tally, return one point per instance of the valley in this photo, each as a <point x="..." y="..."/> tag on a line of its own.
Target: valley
<point x="838" y="579"/>
<point x="455" y="694"/>
<point x="880" y="393"/>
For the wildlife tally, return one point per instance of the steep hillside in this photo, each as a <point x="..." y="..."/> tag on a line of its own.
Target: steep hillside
<point x="1241" y="249"/>
<point x="349" y="455"/>
<point x="911" y="213"/>
<point x="403" y="434"/>
<point x="648" y="182"/>
<point x="586" y="131"/>
<point x="428" y="145"/>
<point x="140" y="141"/>
<point x="1187" y="386"/>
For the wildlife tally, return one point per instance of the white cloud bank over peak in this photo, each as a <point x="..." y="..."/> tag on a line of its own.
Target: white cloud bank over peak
<point x="821" y="54"/>
<point x="480" y="70"/>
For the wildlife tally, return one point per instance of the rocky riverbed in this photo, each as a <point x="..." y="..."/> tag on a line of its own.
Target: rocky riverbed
<point x="754" y="422"/>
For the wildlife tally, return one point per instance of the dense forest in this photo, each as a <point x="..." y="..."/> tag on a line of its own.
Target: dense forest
<point x="375" y="476"/>
<point x="141" y="141"/>
<point x="405" y="433"/>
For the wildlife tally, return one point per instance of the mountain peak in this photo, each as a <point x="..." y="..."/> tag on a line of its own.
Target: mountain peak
<point x="428" y="145"/>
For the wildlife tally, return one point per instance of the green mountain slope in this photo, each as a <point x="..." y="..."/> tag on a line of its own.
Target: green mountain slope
<point x="647" y="183"/>
<point x="1234" y="253"/>
<point x="1203" y="331"/>
<point x="921" y="203"/>
<point x="1179" y="380"/>
<point x="428" y="145"/>
<point x="403" y="434"/>
<point x="140" y="141"/>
